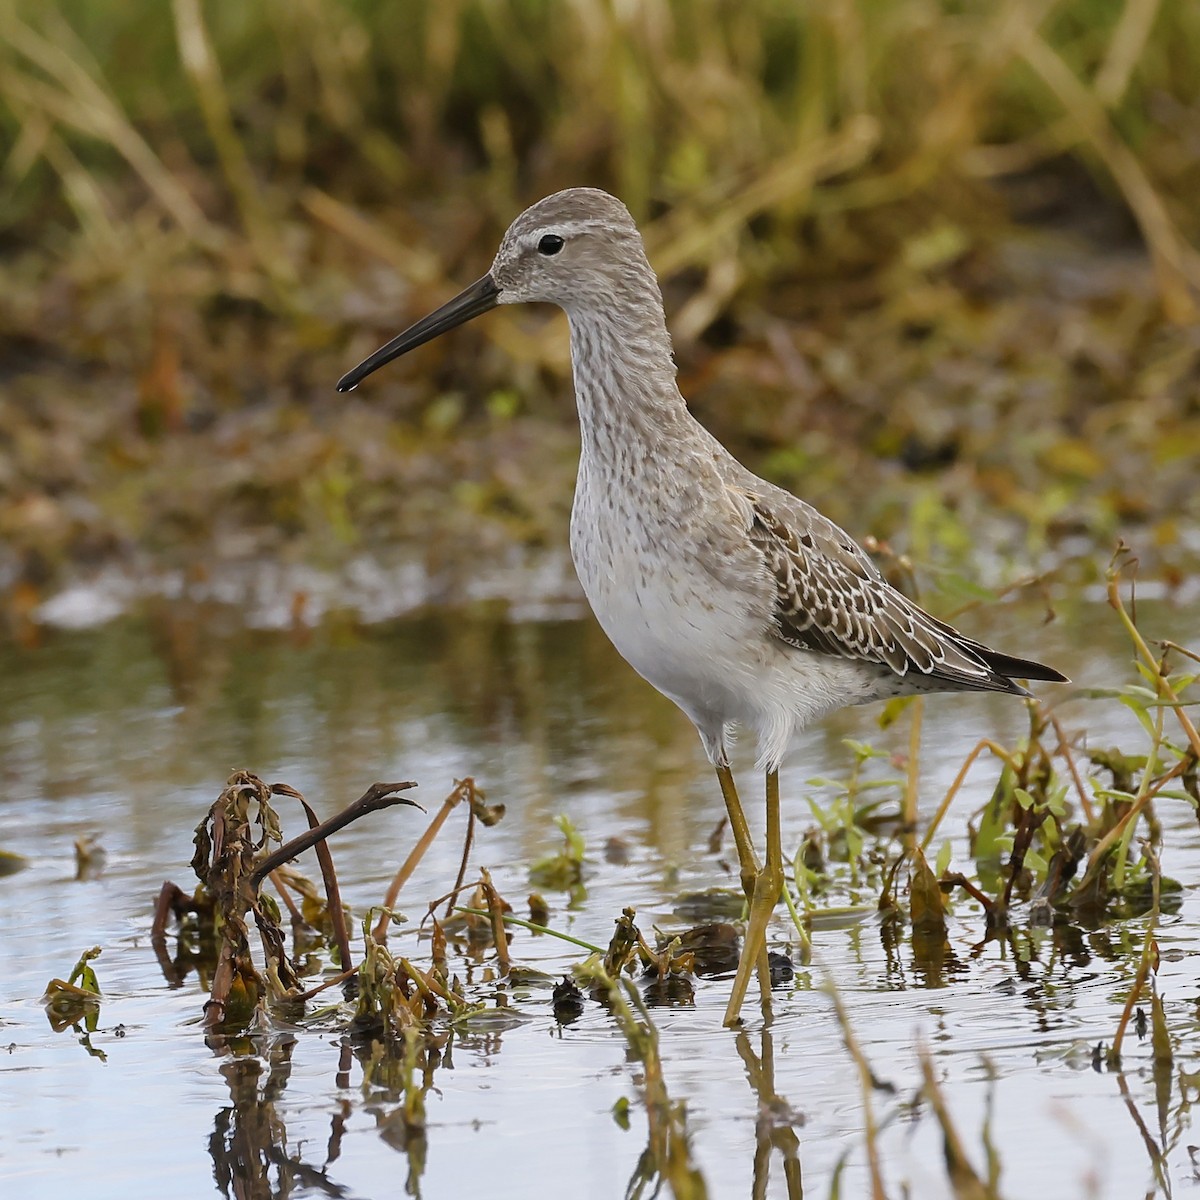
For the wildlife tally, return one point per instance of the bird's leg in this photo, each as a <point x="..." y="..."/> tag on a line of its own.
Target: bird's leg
<point x="750" y="871"/>
<point x="747" y="859"/>
<point x="767" y="886"/>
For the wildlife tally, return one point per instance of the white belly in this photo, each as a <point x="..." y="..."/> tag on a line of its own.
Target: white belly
<point x="706" y="647"/>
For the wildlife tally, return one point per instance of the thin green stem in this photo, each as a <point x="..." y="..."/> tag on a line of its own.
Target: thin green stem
<point x="511" y="920"/>
<point x="798" y="920"/>
<point x="1118" y="876"/>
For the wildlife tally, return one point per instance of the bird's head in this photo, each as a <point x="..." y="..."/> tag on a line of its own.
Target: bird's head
<point x="577" y="248"/>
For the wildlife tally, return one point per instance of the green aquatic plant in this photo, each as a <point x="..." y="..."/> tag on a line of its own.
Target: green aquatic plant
<point x="74" y="1003"/>
<point x="77" y="998"/>
<point x="562" y="870"/>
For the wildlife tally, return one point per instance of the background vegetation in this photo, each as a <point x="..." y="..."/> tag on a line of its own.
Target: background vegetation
<point x="931" y="263"/>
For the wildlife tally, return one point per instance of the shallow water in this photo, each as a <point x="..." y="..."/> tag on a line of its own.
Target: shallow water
<point x="130" y="730"/>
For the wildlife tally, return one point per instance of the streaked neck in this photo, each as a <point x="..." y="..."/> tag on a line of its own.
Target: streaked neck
<point x="624" y="374"/>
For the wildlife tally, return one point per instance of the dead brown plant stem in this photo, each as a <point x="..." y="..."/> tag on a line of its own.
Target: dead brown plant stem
<point x="496" y="913"/>
<point x="222" y="985"/>
<point x="202" y="67"/>
<point x="913" y="771"/>
<point x="414" y="263"/>
<point x="377" y="796"/>
<point x="1169" y="645"/>
<point x="985" y="744"/>
<point x="960" y="880"/>
<point x="1084" y="801"/>
<point x="1124" y="50"/>
<point x="1176" y="265"/>
<point x="840" y="152"/>
<point x="1139" y="981"/>
<point x="1022" y="840"/>
<point x="171" y="899"/>
<point x="333" y="893"/>
<point x="462" y="866"/>
<point x="379" y="933"/>
<point x="84" y="101"/>
<point x="333" y="981"/>
<point x="422" y="981"/>
<point x="428" y="986"/>
<point x="285" y="894"/>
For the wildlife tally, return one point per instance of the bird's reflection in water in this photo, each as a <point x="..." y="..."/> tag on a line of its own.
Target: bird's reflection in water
<point x="775" y="1127"/>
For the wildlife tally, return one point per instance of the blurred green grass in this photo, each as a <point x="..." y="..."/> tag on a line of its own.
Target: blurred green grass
<point x="212" y="207"/>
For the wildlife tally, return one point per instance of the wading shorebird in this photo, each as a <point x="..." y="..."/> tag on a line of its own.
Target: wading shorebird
<point x="742" y="604"/>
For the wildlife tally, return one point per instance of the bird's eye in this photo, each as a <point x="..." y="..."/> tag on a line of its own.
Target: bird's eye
<point x="550" y="244"/>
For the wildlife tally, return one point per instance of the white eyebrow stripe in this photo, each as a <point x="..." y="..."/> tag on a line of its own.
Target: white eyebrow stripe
<point x="566" y="229"/>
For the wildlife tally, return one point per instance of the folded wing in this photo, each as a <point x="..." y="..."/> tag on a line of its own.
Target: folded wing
<point x="831" y="598"/>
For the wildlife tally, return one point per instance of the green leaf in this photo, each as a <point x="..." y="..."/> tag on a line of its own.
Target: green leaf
<point x="943" y="859"/>
<point x="1124" y="797"/>
<point x="1142" y="715"/>
<point x="1035" y="862"/>
<point x="1056" y="801"/>
<point x="575" y="843"/>
<point x="991" y="826"/>
<point x="1160" y="1039"/>
<point x="827" y="821"/>
<point x="82" y="973"/>
<point x="1175" y="794"/>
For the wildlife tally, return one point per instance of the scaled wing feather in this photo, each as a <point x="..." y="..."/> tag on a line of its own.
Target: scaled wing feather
<point x="831" y="598"/>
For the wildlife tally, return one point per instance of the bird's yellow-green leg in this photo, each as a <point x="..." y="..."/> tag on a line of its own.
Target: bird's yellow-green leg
<point x="750" y="869"/>
<point x="767" y="886"/>
<point x="747" y="859"/>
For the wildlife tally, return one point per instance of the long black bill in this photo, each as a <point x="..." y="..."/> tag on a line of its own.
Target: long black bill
<point x="470" y="302"/>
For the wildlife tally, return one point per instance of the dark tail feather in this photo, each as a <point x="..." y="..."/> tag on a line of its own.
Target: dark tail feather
<point x="1004" y="664"/>
<point x="1018" y="668"/>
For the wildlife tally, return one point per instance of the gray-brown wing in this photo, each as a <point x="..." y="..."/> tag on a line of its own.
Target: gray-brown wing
<point x="830" y="598"/>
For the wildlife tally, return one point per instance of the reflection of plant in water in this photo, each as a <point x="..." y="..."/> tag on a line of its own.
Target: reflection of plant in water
<point x="249" y="1143"/>
<point x="404" y="1072"/>
<point x="398" y="1005"/>
<point x="668" y="1156"/>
